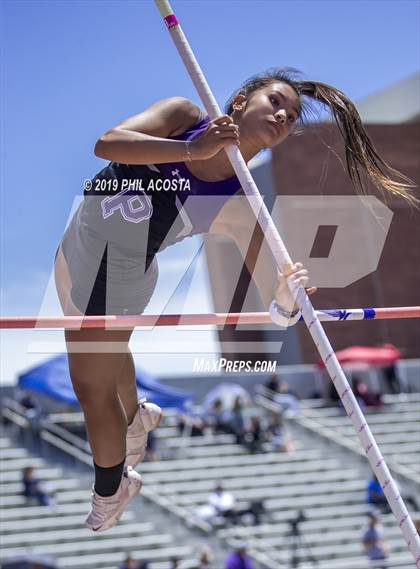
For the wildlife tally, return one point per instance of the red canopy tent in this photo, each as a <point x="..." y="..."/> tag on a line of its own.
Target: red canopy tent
<point x="384" y="355"/>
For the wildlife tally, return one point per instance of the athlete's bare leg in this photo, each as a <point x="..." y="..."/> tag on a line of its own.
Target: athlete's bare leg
<point x="97" y="358"/>
<point x="95" y="378"/>
<point x="126" y="387"/>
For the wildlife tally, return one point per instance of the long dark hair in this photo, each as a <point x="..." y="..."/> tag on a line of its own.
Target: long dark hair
<point x="363" y="162"/>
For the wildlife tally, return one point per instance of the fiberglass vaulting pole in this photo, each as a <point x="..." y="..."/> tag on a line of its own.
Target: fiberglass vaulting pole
<point x="310" y="317"/>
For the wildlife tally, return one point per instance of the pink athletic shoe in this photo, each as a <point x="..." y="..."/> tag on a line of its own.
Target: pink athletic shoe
<point x="106" y="511"/>
<point x="146" y="419"/>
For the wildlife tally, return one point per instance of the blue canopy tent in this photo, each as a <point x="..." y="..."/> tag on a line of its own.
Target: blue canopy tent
<point x="52" y="379"/>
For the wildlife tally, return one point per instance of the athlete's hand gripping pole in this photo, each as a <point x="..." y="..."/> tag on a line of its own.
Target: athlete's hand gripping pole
<point x="284" y="263"/>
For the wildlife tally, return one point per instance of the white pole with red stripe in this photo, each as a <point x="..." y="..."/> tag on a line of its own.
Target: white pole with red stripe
<point x="310" y="317"/>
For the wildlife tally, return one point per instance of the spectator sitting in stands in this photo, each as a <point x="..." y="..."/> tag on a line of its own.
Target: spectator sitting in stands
<point x="391" y="378"/>
<point x="217" y="418"/>
<point x="32" y="410"/>
<point x="373" y="541"/>
<point x="239" y="559"/>
<point x="223" y="503"/>
<point x="174" y="563"/>
<point x="254" y="436"/>
<point x="32" y="489"/>
<point x="193" y="425"/>
<point x="333" y="396"/>
<point x="282" y="395"/>
<point x="273" y="384"/>
<point x="205" y="559"/>
<point x="365" y="397"/>
<point x="375" y="495"/>
<point x="131" y="563"/>
<point x="287" y="399"/>
<point x="278" y="385"/>
<point x="182" y="423"/>
<point x="237" y="421"/>
<point x="277" y="435"/>
<point x="27" y="401"/>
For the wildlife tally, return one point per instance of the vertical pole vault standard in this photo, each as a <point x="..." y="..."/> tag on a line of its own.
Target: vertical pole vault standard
<point x="284" y="262"/>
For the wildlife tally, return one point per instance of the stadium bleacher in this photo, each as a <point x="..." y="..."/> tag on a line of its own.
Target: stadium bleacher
<point x="325" y="482"/>
<point x="58" y="530"/>
<point x="328" y="487"/>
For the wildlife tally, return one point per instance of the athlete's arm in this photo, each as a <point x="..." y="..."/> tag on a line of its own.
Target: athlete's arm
<point x="142" y="138"/>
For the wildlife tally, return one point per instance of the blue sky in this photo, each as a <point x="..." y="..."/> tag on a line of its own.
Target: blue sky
<point x="72" y="69"/>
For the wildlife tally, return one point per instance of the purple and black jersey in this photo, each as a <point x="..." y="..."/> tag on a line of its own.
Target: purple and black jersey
<point x="130" y="213"/>
<point x="155" y="204"/>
